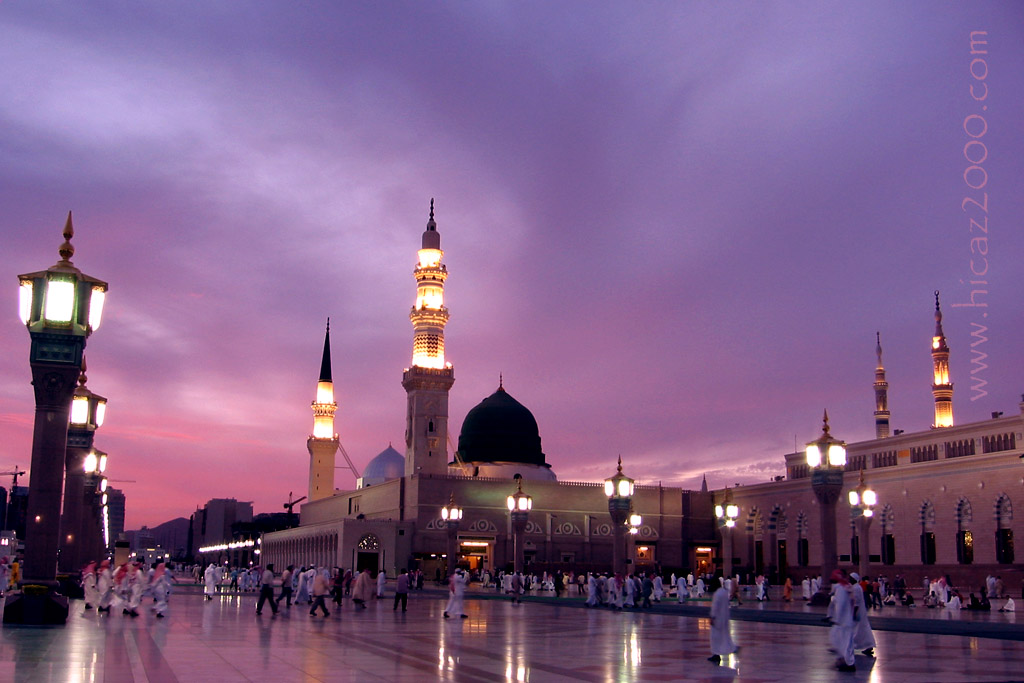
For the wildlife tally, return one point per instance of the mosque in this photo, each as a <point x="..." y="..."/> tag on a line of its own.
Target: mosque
<point x="392" y="520"/>
<point x="944" y="495"/>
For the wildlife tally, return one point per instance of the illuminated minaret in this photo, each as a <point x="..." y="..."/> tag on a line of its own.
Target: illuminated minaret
<point x="323" y="443"/>
<point x="429" y="378"/>
<point x="942" y="389"/>
<point x="881" y="394"/>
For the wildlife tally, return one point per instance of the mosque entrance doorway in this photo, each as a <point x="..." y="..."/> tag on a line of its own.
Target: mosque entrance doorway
<point x="476" y="554"/>
<point x="368" y="560"/>
<point x="702" y="561"/>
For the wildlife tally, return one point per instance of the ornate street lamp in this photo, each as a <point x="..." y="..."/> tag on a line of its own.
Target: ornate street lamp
<point x="61" y="307"/>
<point x="519" y="506"/>
<point x="826" y="458"/>
<point x="87" y="413"/>
<point x="619" y="489"/>
<point x="727" y="512"/>
<point x="452" y="515"/>
<point x="863" y="501"/>
<point x="94" y="501"/>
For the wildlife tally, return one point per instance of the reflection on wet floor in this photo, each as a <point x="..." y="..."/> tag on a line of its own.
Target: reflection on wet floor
<point x="225" y="641"/>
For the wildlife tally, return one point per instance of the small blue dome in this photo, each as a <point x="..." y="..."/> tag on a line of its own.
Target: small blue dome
<point x="388" y="464"/>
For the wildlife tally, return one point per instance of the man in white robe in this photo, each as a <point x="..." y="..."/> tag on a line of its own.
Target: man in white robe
<point x="722" y="644"/>
<point x="592" y="599"/>
<point x="381" y="580"/>
<point x="805" y="586"/>
<point x="456" y="595"/>
<point x="659" y="588"/>
<point x="863" y="637"/>
<point x="210" y="577"/>
<point x="840" y="613"/>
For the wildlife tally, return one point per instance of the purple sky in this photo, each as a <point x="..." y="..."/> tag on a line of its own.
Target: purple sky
<point x="673" y="227"/>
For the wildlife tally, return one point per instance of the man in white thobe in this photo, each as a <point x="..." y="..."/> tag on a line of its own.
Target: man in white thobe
<point x="381" y="580"/>
<point x="863" y="638"/>
<point x="840" y="612"/>
<point x="805" y="586"/>
<point x="722" y="644"/>
<point x="210" y="578"/>
<point x="456" y="595"/>
<point x="592" y="599"/>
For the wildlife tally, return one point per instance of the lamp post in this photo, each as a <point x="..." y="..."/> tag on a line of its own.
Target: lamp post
<point x="61" y="307"/>
<point x="94" y="488"/>
<point x="452" y="515"/>
<point x="863" y="501"/>
<point x="826" y="458"/>
<point x="519" y="506"/>
<point x="619" y="489"/>
<point x="87" y="413"/>
<point x="727" y="512"/>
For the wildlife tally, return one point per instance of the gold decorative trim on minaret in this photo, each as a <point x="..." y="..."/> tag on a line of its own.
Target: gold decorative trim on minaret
<point x="942" y="388"/>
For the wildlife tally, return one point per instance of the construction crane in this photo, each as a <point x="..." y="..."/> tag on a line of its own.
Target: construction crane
<point x="291" y="504"/>
<point x="15" y="473"/>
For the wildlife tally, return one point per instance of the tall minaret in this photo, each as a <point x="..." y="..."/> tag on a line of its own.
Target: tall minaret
<point x="429" y="378"/>
<point x="942" y="389"/>
<point x="881" y="394"/>
<point x="323" y="443"/>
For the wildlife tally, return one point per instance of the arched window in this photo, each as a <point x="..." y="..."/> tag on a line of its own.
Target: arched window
<point x="1004" y="532"/>
<point x="964" y="538"/>
<point x="927" y="518"/>
<point x="888" y="518"/>
<point x="802" y="544"/>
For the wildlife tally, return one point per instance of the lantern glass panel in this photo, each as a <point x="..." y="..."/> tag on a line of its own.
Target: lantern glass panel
<point x="870" y="498"/>
<point x="25" y="300"/>
<point x="609" y="488"/>
<point x="96" y="307"/>
<point x="60" y="301"/>
<point x="813" y="455"/>
<point x="101" y="412"/>
<point x="80" y="410"/>
<point x="836" y="455"/>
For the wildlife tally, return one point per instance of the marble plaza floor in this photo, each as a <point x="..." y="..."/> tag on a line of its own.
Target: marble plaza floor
<point x="224" y="641"/>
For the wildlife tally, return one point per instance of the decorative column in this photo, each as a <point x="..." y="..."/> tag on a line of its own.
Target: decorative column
<point x="61" y="307"/>
<point x="827" y="459"/>
<point x="727" y="513"/>
<point x="863" y="501"/>
<point x="619" y="489"/>
<point x="87" y="413"/>
<point x="452" y="515"/>
<point x="519" y="506"/>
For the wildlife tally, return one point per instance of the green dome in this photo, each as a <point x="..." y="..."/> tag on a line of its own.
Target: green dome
<point x="500" y="429"/>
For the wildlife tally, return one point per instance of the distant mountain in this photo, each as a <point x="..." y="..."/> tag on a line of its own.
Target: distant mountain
<point x="171" y="536"/>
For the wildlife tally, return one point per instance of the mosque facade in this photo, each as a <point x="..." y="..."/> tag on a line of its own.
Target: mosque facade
<point x="945" y="495"/>
<point x="392" y="520"/>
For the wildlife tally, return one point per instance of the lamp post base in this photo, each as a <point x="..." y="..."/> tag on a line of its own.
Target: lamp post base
<point x="821" y="599"/>
<point x="35" y="605"/>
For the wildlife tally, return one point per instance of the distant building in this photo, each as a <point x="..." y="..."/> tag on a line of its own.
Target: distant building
<point x="212" y="523"/>
<point x="115" y="515"/>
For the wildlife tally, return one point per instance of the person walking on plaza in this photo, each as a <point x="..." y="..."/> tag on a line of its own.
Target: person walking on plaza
<point x="105" y="587"/>
<point x="517" y="587"/>
<point x="457" y="594"/>
<point x="210" y="579"/>
<point x="863" y="637"/>
<point x="381" y="581"/>
<point x="362" y="589"/>
<point x="402" y="590"/>
<point x="319" y="591"/>
<point x="286" y="586"/>
<point x="89" y="590"/>
<point x="722" y="644"/>
<point x="160" y="587"/>
<point x="648" y="589"/>
<point x="267" y="590"/>
<point x="840" y="614"/>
